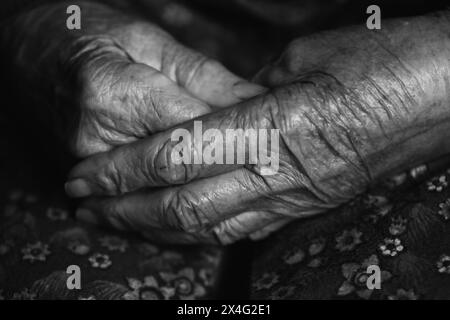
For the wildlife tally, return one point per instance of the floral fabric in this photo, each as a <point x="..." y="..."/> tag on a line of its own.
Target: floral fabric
<point x="404" y="231"/>
<point x="39" y="241"/>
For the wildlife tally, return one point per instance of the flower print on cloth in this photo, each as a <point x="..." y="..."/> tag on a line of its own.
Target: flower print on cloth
<point x="316" y="262"/>
<point x="114" y="243"/>
<point x="418" y="172"/>
<point x="403" y="294"/>
<point x="282" y="293"/>
<point x="294" y="256"/>
<point x="398" y="225"/>
<point x="78" y="248"/>
<point x="35" y="252"/>
<point x="378" y="205"/>
<point x="148" y="289"/>
<point x="10" y="210"/>
<point x="444" y="209"/>
<point x="30" y="198"/>
<point x="356" y="277"/>
<point x="99" y="260"/>
<point x="317" y="245"/>
<point x="348" y="240"/>
<point x="443" y="264"/>
<point x="207" y="275"/>
<point x="313" y="260"/>
<point x="5" y="247"/>
<point x="267" y="281"/>
<point x="147" y="249"/>
<point x="74" y="239"/>
<point x="25" y="294"/>
<point x="391" y="247"/>
<point x="186" y="288"/>
<point x="437" y="184"/>
<point x="395" y="181"/>
<point x="15" y="195"/>
<point x="57" y="214"/>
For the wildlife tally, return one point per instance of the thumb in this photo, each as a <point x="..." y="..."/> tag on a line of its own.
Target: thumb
<point x="301" y="57"/>
<point x="209" y="80"/>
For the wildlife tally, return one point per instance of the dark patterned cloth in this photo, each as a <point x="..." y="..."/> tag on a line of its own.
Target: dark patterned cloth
<point x="405" y="232"/>
<point x="40" y="239"/>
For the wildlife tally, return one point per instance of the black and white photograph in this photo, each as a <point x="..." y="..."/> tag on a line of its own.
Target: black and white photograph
<point x="223" y="154"/>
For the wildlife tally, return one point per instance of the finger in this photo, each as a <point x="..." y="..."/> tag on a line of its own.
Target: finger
<point x="155" y="235"/>
<point x="162" y="236"/>
<point x="162" y="103"/>
<point x="124" y="101"/>
<point x="221" y="209"/>
<point x="195" y="207"/>
<point x="156" y="160"/>
<point x="208" y="210"/>
<point x="270" y="228"/>
<point x="244" y="225"/>
<point x="204" y="78"/>
<point x="274" y="75"/>
<point x="302" y="56"/>
<point x="144" y="96"/>
<point x="208" y="80"/>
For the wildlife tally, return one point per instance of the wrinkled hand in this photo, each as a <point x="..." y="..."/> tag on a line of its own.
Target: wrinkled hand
<point x="119" y="78"/>
<point x="352" y="106"/>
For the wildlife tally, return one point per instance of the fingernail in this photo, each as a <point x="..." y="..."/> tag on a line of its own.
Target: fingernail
<point x="78" y="188"/>
<point x="86" y="215"/>
<point x="246" y="90"/>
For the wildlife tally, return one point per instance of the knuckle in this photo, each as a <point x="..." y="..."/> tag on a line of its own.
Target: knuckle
<point x="264" y="113"/>
<point x="158" y="80"/>
<point x="183" y="213"/>
<point x="223" y="238"/>
<point x="292" y="49"/>
<point x="161" y="166"/>
<point x="210" y="65"/>
<point x="291" y="55"/>
<point x="195" y="68"/>
<point x="110" y="209"/>
<point x="110" y="179"/>
<point x="93" y="67"/>
<point x="306" y="54"/>
<point x="94" y="87"/>
<point x="226" y="233"/>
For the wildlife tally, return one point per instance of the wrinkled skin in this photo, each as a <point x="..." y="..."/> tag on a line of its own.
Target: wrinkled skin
<point x="117" y="79"/>
<point x="352" y="106"/>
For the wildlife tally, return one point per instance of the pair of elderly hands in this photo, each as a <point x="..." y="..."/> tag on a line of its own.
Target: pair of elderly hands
<point x="352" y="106"/>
